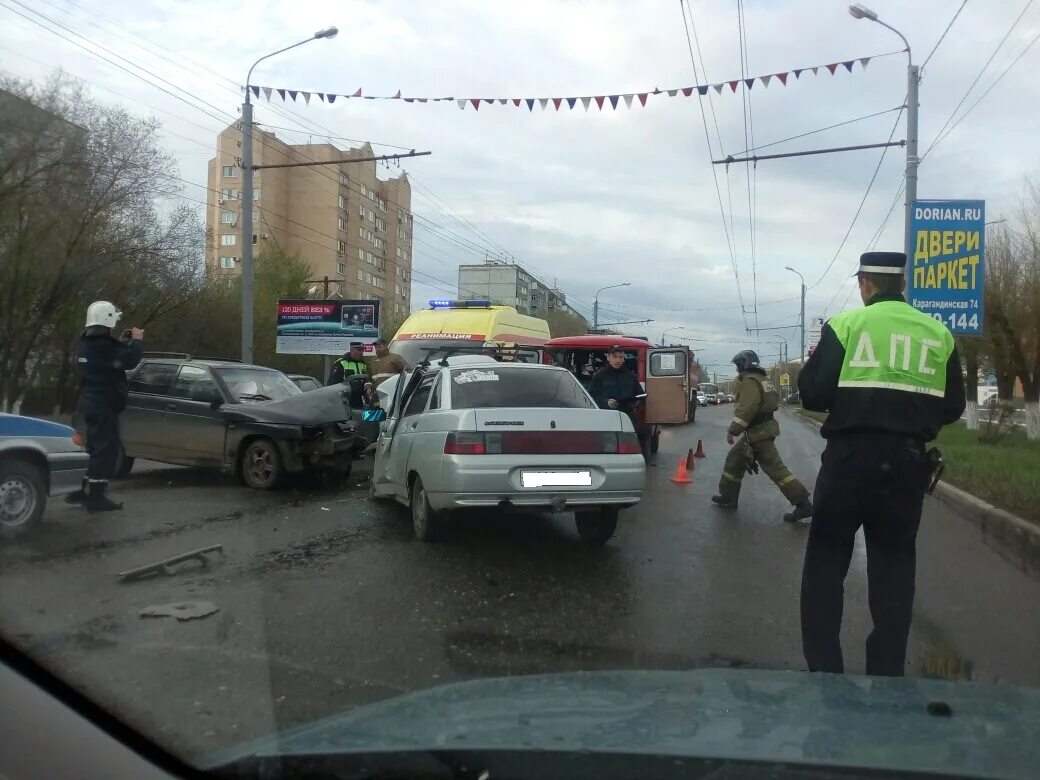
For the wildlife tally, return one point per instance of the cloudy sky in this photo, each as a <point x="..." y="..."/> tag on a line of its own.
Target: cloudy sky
<point x="586" y="199"/>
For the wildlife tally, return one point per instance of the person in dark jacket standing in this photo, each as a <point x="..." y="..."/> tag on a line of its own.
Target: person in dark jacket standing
<point x="890" y="377"/>
<point x="103" y="362"/>
<point x="614" y="386"/>
<point x="751" y="436"/>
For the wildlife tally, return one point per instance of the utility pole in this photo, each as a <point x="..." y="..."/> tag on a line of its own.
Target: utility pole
<point x="802" y="318"/>
<point x="595" y="302"/>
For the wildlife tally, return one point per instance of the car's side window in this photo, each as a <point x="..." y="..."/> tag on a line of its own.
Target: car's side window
<point x="153" y="378"/>
<point x="194" y="383"/>
<point x="417" y="403"/>
<point x="435" y="396"/>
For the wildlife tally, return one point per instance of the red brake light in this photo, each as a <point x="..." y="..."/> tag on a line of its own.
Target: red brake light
<point x="77" y="439"/>
<point x="628" y="444"/>
<point x="464" y="444"/>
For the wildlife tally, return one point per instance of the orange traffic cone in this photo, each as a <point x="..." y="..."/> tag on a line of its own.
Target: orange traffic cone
<point x="681" y="477"/>
<point x="690" y="460"/>
<point x="700" y="450"/>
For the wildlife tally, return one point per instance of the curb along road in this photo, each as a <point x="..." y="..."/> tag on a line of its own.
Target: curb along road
<point x="1016" y="539"/>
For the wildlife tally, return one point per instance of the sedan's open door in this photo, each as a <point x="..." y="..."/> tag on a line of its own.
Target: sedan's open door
<point x="667" y="385"/>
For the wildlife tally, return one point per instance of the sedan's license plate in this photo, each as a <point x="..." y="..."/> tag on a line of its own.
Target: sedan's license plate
<point x="537" y="479"/>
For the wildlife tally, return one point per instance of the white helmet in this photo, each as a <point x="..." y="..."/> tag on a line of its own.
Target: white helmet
<point x="102" y="313"/>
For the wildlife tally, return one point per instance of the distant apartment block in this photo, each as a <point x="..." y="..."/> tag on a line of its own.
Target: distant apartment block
<point x="343" y="220"/>
<point x="509" y="284"/>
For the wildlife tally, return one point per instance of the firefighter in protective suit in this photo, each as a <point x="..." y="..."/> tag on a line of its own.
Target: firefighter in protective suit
<point x="753" y="423"/>
<point x="103" y="361"/>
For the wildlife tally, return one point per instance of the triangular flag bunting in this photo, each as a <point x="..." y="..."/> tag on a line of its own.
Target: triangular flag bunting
<point x="848" y="65"/>
<point x="702" y="89"/>
<point x="306" y="97"/>
<point x="423" y="100"/>
<point x="476" y="103"/>
<point x="798" y="72"/>
<point x="599" y="101"/>
<point x="516" y="102"/>
<point x="613" y="101"/>
<point x="642" y="98"/>
<point x="765" y="80"/>
<point x="331" y="97"/>
<point x="543" y="102"/>
<point x="571" y="102"/>
<point x="585" y="102"/>
<point x="530" y="104"/>
<point x="293" y="93"/>
<point x="358" y="93"/>
<point x="863" y="61"/>
<point x="556" y="102"/>
<point x="267" y="94"/>
<point x="733" y="85"/>
<point x="281" y="94"/>
<point x="503" y="101"/>
<point x="687" y="91"/>
<point x="718" y="88"/>
<point x="461" y="104"/>
<point x="749" y="83"/>
<point x="397" y="95"/>
<point x="490" y="101"/>
<point x="628" y="101"/>
<point x="782" y="77"/>
<point x="673" y="92"/>
<point x="255" y="91"/>
<point x="815" y="70"/>
<point x="408" y="100"/>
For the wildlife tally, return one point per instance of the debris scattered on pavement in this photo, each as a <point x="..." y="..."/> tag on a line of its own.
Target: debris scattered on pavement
<point x="164" y="566"/>
<point x="182" y="610"/>
<point x="325" y="509"/>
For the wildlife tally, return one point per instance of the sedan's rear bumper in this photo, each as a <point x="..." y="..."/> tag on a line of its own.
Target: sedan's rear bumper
<point x="556" y="501"/>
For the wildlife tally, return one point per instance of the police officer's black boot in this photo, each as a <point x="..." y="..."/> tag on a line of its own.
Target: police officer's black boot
<point x="97" y="501"/>
<point x="79" y="496"/>
<point x="801" y="510"/>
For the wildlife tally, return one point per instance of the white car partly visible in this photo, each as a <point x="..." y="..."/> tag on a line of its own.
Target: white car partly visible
<point x="471" y="432"/>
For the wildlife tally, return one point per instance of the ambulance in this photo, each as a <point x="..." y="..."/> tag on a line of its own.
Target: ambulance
<point x="469" y="325"/>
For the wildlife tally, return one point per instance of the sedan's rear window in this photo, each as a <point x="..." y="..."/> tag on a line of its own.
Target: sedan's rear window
<point x="498" y="386"/>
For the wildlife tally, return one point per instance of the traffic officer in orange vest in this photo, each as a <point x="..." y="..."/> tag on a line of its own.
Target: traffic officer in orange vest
<point x="890" y="377"/>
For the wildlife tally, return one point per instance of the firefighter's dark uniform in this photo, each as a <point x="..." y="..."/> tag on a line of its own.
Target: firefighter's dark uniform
<point x="753" y="422"/>
<point x="103" y="363"/>
<point x="890" y="377"/>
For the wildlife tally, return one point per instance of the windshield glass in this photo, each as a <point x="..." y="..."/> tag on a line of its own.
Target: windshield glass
<point x="257" y="384"/>
<point x="518" y="470"/>
<point x="497" y="386"/>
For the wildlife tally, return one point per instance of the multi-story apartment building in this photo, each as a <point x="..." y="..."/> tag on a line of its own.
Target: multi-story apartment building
<point x="511" y="285"/>
<point x="342" y="220"/>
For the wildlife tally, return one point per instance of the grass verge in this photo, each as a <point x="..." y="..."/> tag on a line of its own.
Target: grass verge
<point x="1005" y="474"/>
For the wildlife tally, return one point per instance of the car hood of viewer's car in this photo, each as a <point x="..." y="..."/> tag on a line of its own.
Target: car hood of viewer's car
<point x="894" y="724"/>
<point x="317" y="407"/>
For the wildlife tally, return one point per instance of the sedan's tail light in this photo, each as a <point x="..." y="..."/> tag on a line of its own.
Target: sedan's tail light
<point x="629" y="444"/>
<point x="464" y="444"/>
<point x="77" y="439"/>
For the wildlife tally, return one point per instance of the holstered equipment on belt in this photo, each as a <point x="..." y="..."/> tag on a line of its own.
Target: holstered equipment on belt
<point x="934" y="460"/>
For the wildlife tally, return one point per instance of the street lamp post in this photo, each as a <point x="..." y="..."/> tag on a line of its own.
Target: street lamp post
<point x="246" y="198"/>
<point x="785" y="356"/>
<point x="595" y="302"/>
<point x="669" y="330"/>
<point x="913" y="81"/>
<point x="802" y="349"/>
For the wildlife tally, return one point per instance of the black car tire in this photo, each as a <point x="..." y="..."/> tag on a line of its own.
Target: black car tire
<point x="124" y="464"/>
<point x="596" y="526"/>
<point x="23" y="496"/>
<point x="261" y="465"/>
<point x="427" y="523"/>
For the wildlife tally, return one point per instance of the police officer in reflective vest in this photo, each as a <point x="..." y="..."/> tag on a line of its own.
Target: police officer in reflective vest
<point x="351" y="364"/>
<point x="890" y="377"/>
<point x="753" y="423"/>
<point x="103" y="362"/>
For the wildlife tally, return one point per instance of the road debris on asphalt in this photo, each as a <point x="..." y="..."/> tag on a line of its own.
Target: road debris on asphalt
<point x="182" y="610"/>
<point x="164" y="566"/>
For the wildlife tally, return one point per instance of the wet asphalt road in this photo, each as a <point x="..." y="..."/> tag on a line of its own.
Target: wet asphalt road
<point x="326" y="602"/>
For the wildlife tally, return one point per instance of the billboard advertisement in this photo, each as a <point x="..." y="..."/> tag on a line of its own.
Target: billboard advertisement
<point x="947" y="276"/>
<point x="325" y="327"/>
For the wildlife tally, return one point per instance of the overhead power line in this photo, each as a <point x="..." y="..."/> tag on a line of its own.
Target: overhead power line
<point x="943" y="36"/>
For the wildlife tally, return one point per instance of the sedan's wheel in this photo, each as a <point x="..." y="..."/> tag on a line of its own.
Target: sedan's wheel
<point x="262" y="465"/>
<point x="23" y="496"/>
<point x="427" y="523"/>
<point x="596" y="526"/>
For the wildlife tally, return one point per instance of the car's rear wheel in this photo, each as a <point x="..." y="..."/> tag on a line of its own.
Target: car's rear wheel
<point x="124" y="464"/>
<point x="261" y="465"/>
<point x="427" y="523"/>
<point x="23" y="496"/>
<point x="596" y="526"/>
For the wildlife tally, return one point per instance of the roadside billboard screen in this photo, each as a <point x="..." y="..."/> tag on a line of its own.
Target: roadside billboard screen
<point x="307" y="327"/>
<point x="947" y="276"/>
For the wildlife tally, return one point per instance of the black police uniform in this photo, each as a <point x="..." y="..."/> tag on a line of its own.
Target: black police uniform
<point x="103" y="363"/>
<point x="873" y="471"/>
